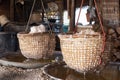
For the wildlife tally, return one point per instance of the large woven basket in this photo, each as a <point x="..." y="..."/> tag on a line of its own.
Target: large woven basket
<point x="81" y="52"/>
<point x="36" y="45"/>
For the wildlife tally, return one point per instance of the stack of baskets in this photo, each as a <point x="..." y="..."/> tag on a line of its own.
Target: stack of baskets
<point x="36" y="45"/>
<point x="82" y="51"/>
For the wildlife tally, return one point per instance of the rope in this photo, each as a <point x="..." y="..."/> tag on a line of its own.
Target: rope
<point x="79" y="15"/>
<point x="104" y="34"/>
<point x="50" y="35"/>
<point x="46" y="16"/>
<point x="27" y="26"/>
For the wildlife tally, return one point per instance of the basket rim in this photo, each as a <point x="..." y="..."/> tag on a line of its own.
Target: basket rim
<point x="72" y="36"/>
<point x="24" y="33"/>
<point x="32" y="34"/>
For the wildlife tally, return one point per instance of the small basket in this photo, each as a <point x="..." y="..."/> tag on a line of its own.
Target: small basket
<point x="36" y="45"/>
<point x="81" y="52"/>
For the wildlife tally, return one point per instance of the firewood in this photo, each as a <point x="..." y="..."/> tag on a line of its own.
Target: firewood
<point x="118" y="30"/>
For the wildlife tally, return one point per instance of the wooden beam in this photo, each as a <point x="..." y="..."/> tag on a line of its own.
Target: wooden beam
<point x="12" y="10"/>
<point x="69" y="8"/>
<point x="72" y="18"/>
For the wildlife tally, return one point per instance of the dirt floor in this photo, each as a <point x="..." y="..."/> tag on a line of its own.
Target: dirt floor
<point x="13" y="73"/>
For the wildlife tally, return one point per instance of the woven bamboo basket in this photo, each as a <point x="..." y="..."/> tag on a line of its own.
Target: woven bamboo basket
<point x="81" y="52"/>
<point x="36" y="45"/>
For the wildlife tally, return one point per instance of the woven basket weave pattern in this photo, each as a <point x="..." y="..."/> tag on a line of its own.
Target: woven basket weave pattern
<point x="36" y="45"/>
<point x="81" y="53"/>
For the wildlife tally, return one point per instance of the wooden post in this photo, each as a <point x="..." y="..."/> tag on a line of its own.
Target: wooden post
<point x="12" y="10"/>
<point x="72" y="17"/>
<point x="69" y="8"/>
